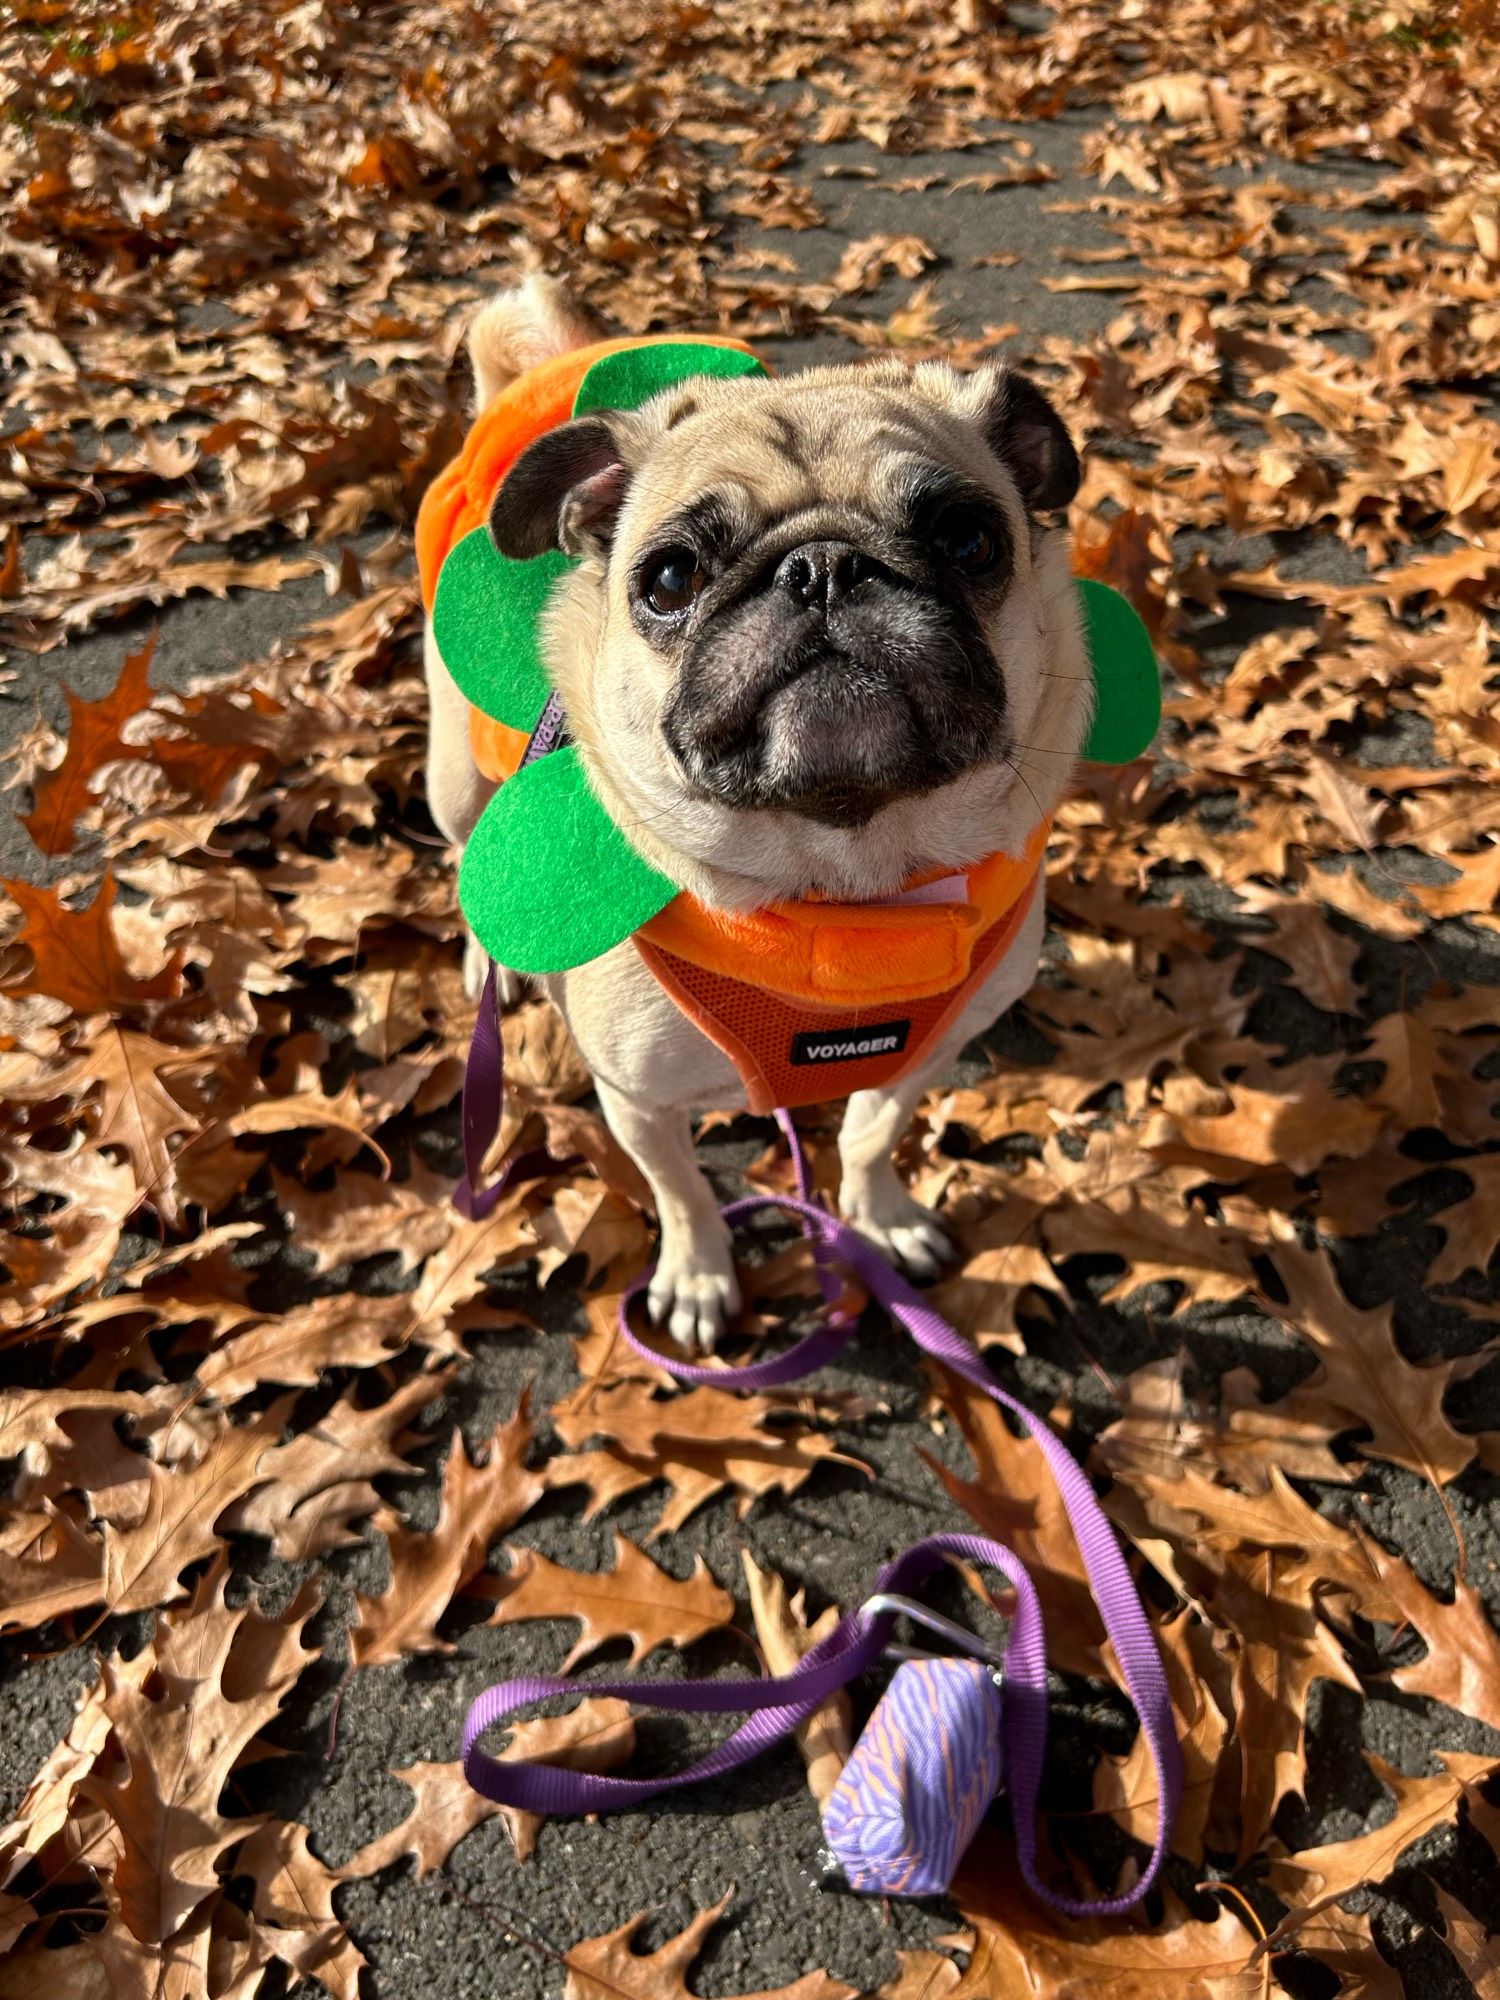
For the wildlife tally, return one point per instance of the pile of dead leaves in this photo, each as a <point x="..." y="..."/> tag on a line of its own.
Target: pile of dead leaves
<point x="1229" y="1197"/>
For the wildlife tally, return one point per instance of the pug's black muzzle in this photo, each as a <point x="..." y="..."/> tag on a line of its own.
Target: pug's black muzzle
<point x="833" y="689"/>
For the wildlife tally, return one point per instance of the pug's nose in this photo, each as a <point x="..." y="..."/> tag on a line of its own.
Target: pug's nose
<point x="820" y="573"/>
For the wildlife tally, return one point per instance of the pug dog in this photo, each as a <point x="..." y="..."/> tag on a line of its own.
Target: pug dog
<point x="823" y="636"/>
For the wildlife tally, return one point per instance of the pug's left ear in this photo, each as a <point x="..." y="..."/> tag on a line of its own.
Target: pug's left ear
<point x="1025" y="431"/>
<point x="564" y="492"/>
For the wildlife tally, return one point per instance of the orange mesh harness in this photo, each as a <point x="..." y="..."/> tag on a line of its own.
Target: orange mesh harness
<point x="808" y="999"/>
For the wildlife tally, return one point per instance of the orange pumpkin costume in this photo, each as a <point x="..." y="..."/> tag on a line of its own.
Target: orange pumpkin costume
<point x="809" y="999"/>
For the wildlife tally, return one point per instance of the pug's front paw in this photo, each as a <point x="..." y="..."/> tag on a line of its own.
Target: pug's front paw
<point x="695" y="1293"/>
<point x="906" y="1232"/>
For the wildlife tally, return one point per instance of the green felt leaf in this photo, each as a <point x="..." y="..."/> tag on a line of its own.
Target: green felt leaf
<point x="485" y="619"/>
<point x="1127" y="681"/>
<point x="625" y="379"/>
<point x="548" y="881"/>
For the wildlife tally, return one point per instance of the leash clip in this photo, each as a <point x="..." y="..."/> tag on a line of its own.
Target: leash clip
<point x="958" y="1636"/>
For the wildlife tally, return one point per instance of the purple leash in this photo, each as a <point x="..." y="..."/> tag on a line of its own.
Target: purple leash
<point x="777" y="1705"/>
<point x="484" y="1072"/>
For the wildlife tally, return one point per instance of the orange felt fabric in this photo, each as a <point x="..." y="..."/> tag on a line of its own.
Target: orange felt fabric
<point x="498" y="749"/>
<point x="459" y="498"/>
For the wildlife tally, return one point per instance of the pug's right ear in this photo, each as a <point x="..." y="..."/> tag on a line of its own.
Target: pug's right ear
<point x="563" y="492"/>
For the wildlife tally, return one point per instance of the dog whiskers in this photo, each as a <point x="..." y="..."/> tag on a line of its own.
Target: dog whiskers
<point x="1012" y="765"/>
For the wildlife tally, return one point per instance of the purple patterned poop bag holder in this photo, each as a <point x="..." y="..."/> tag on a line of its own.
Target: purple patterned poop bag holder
<point x="929" y="1762"/>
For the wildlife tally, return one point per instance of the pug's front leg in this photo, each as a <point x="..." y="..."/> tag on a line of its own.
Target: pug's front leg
<point x="693" y="1288"/>
<point x="871" y="1193"/>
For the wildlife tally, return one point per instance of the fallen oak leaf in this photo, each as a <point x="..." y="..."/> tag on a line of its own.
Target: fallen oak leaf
<point x="49" y="1798"/>
<point x="312" y="1487"/>
<point x="1263" y="1570"/>
<point x="827" y="1736"/>
<point x="588" y="1220"/>
<point x="76" y="954"/>
<point x="181" y="1731"/>
<point x="596" y="1735"/>
<point x="1332" y="1871"/>
<point x="30" y="1420"/>
<point x="1363" y="1374"/>
<point x="698" y="1441"/>
<point x="924" y="1975"/>
<point x="1261" y="1128"/>
<point x="1342" y="1940"/>
<point x="293" y="1906"/>
<point x="635" y="1600"/>
<point x="446" y="1808"/>
<point x="608" y="1968"/>
<point x="359" y="1216"/>
<point x="1471" y="1945"/>
<point x="303" y="1110"/>
<point x="1021" y="1949"/>
<point x="455" y="1275"/>
<point x="60" y="795"/>
<point x="136" y="1111"/>
<point x="216" y="738"/>
<point x="1126" y="1787"/>
<point x="1462" y="1664"/>
<point x="1320" y="959"/>
<point x="1471" y="1226"/>
<point x="1015" y="1499"/>
<point x="143" y="1564"/>
<point x="49" y="1565"/>
<point x="294" y="1349"/>
<point x="427" y="1570"/>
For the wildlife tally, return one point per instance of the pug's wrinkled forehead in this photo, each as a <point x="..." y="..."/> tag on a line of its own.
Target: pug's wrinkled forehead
<point x="849" y="452"/>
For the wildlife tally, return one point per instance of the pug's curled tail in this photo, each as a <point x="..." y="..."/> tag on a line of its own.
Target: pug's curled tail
<point x="522" y="326"/>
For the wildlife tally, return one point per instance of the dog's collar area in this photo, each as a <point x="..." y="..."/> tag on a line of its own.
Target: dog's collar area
<point x="551" y="731"/>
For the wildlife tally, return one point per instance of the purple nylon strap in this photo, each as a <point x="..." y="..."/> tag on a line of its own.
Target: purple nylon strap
<point x="484" y="1073"/>
<point x="776" y="1706"/>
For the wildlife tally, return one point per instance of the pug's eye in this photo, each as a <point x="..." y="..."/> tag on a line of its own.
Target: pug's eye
<point x="671" y="581"/>
<point x="960" y="537"/>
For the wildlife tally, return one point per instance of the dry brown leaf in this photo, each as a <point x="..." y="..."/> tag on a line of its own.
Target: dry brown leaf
<point x="1126" y="1788"/>
<point x="1021" y="1949"/>
<point x="699" y="1441"/>
<point x="608" y="1968"/>
<point x="1015" y="1500"/>
<point x="1363" y="1374"/>
<point x="218" y="1677"/>
<point x="76" y="955"/>
<point x="635" y="1600"/>
<point x="295" y="1918"/>
<point x="1313" y="1877"/>
<point x="479" y="1502"/>
<point x="827" y="1736"/>
<point x="1472" y="1945"/>
<point x="924" y="1975"/>
<point x="143" y="1563"/>
<point x="93" y="738"/>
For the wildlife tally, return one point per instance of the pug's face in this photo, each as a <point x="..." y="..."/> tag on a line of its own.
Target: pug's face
<point x="819" y="637"/>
